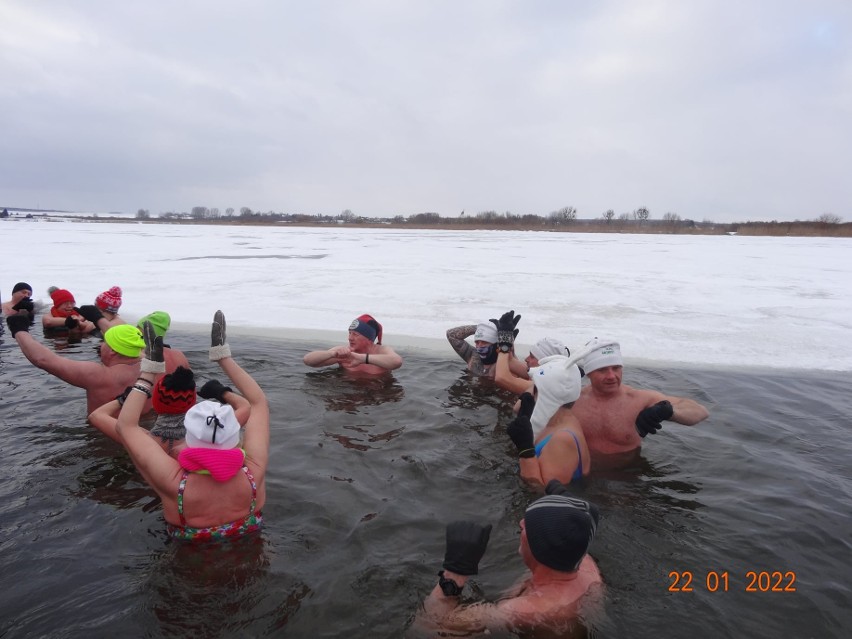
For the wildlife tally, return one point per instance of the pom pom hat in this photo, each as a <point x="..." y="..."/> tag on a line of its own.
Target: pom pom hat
<point x="174" y="394"/>
<point x="60" y="296"/>
<point x="109" y="301"/>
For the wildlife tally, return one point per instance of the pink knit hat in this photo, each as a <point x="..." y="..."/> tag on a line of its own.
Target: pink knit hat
<point x="109" y="301"/>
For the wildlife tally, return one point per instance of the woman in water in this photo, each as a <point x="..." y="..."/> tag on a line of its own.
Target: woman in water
<point x="216" y="487"/>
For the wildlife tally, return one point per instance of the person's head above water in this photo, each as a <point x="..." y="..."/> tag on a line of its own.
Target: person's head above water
<point x="367" y="327"/>
<point x="557" y="382"/>
<point x="601" y="353"/>
<point x="109" y="300"/>
<point x="125" y="340"/>
<point x="62" y="298"/>
<point x="22" y="287"/>
<point x="559" y="530"/>
<point x="545" y="347"/>
<point x="210" y="424"/>
<point x="160" y="321"/>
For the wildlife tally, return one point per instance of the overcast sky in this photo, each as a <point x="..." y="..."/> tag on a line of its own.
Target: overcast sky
<point x="719" y="110"/>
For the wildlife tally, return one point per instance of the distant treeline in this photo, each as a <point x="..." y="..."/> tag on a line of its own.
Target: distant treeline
<point x="565" y="220"/>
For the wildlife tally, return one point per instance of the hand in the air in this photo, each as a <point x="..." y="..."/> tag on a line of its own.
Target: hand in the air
<point x="219" y="348"/>
<point x="466" y="544"/>
<point x="154" y="360"/>
<point x="506" y="328"/>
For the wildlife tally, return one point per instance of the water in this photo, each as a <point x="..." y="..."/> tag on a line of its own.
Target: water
<point x="363" y="476"/>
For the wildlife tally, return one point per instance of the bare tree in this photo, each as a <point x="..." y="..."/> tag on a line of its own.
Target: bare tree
<point x="565" y="215"/>
<point x="609" y="215"/>
<point x="624" y="217"/>
<point x="641" y="214"/>
<point x="671" y="217"/>
<point x="143" y="214"/>
<point x="829" y="218"/>
<point x="229" y="211"/>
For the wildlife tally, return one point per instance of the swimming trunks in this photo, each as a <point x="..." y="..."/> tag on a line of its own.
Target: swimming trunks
<point x="578" y="472"/>
<point x="239" y="528"/>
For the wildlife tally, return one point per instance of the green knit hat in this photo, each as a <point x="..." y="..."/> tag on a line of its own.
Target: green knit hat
<point x="160" y="320"/>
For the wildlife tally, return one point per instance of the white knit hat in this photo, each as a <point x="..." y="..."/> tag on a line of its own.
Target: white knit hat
<point x="557" y="382"/>
<point x="211" y="425"/>
<point x="600" y="354"/>
<point x="485" y="332"/>
<point x="547" y="346"/>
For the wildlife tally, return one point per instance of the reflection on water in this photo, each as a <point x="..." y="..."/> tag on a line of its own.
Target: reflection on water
<point x="345" y="392"/>
<point x="221" y="587"/>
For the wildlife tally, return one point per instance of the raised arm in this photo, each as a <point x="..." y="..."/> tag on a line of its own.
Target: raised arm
<point x="105" y="417"/>
<point x="456" y="337"/>
<point x="466" y="544"/>
<point x="214" y="389"/>
<point x="506" y="379"/>
<point x="76" y="373"/>
<point x="256" y="439"/>
<point x="158" y="468"/>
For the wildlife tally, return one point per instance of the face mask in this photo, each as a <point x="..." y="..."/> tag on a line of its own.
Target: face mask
<point x="488" y="354"/>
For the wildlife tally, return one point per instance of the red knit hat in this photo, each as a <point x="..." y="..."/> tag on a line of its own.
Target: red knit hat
<point x="174" y="394"/>
<point x="60" y="296"/>
<point x="109" y="301"/>
<point x="369" y="319"/>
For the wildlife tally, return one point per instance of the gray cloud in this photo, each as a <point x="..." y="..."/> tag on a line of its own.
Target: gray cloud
<point x="726" y="111"/>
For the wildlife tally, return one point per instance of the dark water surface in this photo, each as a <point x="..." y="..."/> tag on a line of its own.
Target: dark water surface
<point x="363" y="477"/>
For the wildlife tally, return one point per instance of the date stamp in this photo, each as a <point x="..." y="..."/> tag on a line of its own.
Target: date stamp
<point x="722" y="581"/>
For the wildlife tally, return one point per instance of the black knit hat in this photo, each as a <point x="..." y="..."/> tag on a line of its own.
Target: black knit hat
<point x="559" y="530"/>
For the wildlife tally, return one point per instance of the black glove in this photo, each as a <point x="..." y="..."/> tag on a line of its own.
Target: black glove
<point x="124" y="395"/>
<point x="648" y="420"/>
<point x="466" y="543"/>
<point x="70" y="322"/>
<point x="18" y="322"/>
<point x="521" y="433"/>
<point x="25" y="304"/>
<point x="91" y="313"/>
<point x="527" y="405"/>
<point x="214" y="389"/>
<point x="556" y="487"/>
<point x="506" y="331"/>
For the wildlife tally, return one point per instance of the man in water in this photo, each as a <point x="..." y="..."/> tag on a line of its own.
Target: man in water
<point x="481" y="358"/>
<point x="104" y="380"/>
<point x="363" y="354"/>
<point x="21" y="300"/>
<point x="556" y="532"/>
<point x="614" y="416"/>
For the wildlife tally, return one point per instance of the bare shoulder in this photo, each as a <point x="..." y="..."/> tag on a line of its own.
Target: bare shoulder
<point x="641" y="395"/>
